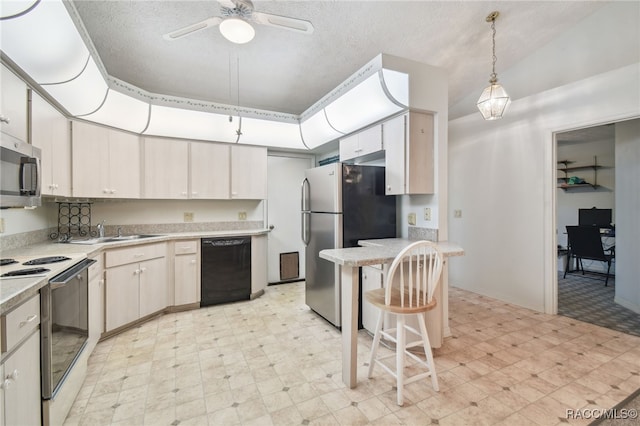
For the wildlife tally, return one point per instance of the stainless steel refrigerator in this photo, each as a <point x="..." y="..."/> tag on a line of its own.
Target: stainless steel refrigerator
<point x="341" y="204"/>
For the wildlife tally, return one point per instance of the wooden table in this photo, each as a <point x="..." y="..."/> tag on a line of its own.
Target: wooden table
<point x="379" y="252"/>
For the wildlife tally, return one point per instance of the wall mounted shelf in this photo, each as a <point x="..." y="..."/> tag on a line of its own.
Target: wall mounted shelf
<point x="565" y="185"/>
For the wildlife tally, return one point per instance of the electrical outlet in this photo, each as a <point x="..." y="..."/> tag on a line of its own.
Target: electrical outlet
<point x="188" y="216"/>
<point x="427" y="213"/>
<point x="457" y="213"/>
<point x="412" y="218"/>
<point x="242" y="215"/>
<point x="1" y="225"/>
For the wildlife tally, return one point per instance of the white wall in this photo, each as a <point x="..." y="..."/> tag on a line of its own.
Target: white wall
<point x="627" y="218"/>
<point x="17" y="221"/>
<point x="502" y="177"/>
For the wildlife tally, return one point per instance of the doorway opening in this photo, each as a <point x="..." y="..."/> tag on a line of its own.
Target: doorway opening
<point x="588" y="191"/>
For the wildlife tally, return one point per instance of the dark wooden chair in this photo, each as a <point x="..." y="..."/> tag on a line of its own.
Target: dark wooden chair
<point x="585" y="242"/>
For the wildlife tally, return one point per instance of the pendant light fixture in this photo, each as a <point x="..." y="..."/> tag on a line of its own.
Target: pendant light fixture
<point x="494" y="100"/>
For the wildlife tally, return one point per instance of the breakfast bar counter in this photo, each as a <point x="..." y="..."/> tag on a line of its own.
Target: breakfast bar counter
<point x="381" y="252"/>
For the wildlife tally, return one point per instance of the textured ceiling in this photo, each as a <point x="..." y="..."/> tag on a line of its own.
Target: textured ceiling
<point x="287" y="72"/>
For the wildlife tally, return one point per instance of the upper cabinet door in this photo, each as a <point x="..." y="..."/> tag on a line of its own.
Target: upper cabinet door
<point x="90" y="160"/>
<point x="393" y="132"/>
<point x="124" y="164"/>
<point x="50" y="133"/>
<point x="166" y="168"/>
<point x="210" y="171"/>
<point x="248" y="172"/>
<point x="13" y="108"/>
<point x="106" y="162"/>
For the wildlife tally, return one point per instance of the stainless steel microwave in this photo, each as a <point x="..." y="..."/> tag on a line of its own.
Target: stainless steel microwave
<point x="20" y="173"/>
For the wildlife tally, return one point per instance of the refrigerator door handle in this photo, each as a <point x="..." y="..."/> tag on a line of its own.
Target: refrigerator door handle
<point x="306" y="218"/>
<point x="305" y="189"/>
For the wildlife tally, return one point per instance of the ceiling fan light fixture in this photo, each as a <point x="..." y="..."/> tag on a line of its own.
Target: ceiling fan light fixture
<point x="494" y="100"/>
<point x="237" y="30"/>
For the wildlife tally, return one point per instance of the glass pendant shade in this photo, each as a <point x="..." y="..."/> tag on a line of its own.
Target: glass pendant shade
<point x="493" y="102"/>
<point x="237" y="30"/>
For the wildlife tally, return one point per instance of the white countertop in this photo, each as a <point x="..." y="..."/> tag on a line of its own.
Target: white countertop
<point x="376" y="252"/>
<point x="13" y="291"/>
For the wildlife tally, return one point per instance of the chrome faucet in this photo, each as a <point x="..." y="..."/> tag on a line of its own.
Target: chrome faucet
<point x="100" y="227"/>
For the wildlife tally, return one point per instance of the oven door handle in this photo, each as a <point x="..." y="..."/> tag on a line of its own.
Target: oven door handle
<point x="62" y="279"/>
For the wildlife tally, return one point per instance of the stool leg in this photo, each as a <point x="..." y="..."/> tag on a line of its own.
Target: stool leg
<point x="376" y="343"/>
<point x="427" y="351"/>
<point x="400" y="348"/>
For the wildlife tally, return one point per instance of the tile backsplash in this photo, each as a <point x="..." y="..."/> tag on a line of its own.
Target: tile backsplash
<point x="15" y="241"/>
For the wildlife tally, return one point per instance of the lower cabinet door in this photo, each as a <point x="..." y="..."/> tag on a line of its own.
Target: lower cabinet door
<point x="153" y="286"/>
<point x="186" y="279"/>
<point x="122" y="295"/>
<point x="22" y="398"/>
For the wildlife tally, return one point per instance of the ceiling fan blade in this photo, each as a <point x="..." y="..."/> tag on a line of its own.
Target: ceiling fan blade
<point x="227" y="3"/>
<point x="190" y="29"/>
<point x="292" y="24"/>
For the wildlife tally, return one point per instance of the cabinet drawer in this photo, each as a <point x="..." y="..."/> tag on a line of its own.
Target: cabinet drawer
<point x="137" y="253"/>
<point x="20" y="322"/>
<point x="186" y="247"/>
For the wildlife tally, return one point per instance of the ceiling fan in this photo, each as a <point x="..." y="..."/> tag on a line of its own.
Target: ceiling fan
<point x="235" y="22"/>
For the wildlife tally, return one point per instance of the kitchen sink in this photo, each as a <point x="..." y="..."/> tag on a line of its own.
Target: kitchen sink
<point x="113" y="239"/>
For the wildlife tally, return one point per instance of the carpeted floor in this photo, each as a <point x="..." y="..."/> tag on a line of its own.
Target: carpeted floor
<point x="585" y="298"/>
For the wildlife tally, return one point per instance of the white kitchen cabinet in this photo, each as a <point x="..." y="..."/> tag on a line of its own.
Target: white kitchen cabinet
<point x="136" y="283"/>
<point x="210" y="171"/>
<point x="153" y="286"/>
<point x="372" y="279"/>
<point x="186" y="272"/>
<point x="409" y="157"/>
<point x="105" y="162"/>
<point x="122" y="296"/>
<point x="96" y="302"/>
<point x="21" y="383"/>
<point x="21" y="396"/>
<point x="166" y="168"/>
<point x="13" y="101"/>
<point x="50" y="132"/>
<point x="248" y="172"/>
<point x="362" y="143"/>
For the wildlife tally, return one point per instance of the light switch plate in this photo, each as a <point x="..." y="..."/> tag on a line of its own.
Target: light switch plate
<point x="242" y="215"/>
<point x="412" y="218"/>
<point x="427" y="213"/>
<point x="188" y="216"/>
<point x="457" y="213"/>
<point x="1" y="225"/>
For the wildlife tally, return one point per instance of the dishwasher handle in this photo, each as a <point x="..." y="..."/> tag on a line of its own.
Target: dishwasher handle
<point x="226" y="242"/>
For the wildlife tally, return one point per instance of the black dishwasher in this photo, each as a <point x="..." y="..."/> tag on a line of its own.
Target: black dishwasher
<point x="225" y="270"/>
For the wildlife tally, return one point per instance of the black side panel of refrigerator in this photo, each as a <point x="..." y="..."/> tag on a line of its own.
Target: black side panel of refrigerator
<point x="367" y="212"/>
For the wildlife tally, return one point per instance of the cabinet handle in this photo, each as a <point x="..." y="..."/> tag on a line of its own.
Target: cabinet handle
<point x="194" y="193"/>
<point x="184" y="193"/>
<point x="14" y="376"/>
<point x="136" y="272"/>
<point x="113" y="191"/>
<point x="193" y="261"/>
<point x="100" y="283"/>
<point x="105" y="191"/>
<point x="6" y="384"/>
<point x="29" y="319"/>
<point x="4" y="119"/>
<point x="142" y="270"/>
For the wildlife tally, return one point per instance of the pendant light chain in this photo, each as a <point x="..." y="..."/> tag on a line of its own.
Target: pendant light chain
<point x="493" y="76"/>
<point x="494" y="100"/>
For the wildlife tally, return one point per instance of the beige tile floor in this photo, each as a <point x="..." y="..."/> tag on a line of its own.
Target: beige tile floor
<point x="273" y="361"/>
